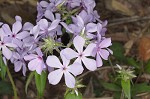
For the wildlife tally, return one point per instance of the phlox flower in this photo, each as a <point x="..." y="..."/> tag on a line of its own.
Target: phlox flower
<point x="65" y="69"/>
<point x="82" y="56"/>
<point x="15" y="35"/>
<point x="4" y="45"/>
<point x="36" y="61"/>
<point x="101" y="51"/>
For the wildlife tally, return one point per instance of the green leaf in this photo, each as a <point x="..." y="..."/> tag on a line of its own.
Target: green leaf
<point x="140" y="88"/>
<point x="5" y="88"/>
<point x="3" y="68"/>
<point x="126" y="88"/>
<point x="147" y="67"/>
<point x="111" y="86"/>
<point x="71" y="95"/>
<point x="28" y="81"/>
<point x="132" y="62"/>
<point x="40" y="81"/>
<point x="118" y="51"/>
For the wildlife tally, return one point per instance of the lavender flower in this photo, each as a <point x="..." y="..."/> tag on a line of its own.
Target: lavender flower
<point x="4" y="45"/>
<point x="81" y="55"/>
<point x="36" y="61"/>
<point x="18" y="60"/>
<point x="15" y="35"/>
<point x="55" y="76"/>
<point x="102" y="52"/>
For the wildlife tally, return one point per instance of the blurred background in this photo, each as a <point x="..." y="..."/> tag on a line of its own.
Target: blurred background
<point x="129" y="28"/>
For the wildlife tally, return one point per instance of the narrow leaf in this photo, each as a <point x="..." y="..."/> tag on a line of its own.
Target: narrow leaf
<point x="3" y="68"/>
<point x="28" y="81"/>
<point x="126" y="88"/>
<point x="40" y="81"/>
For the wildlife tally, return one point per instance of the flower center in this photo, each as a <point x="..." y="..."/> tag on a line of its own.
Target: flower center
<point x="81" y="55"/>
<point x="2" y="43"/>
<point x="64" y="68"/>
<point x="98" y="49"/>
<point x="40" y="58"/>
<point x="13" y="35"/>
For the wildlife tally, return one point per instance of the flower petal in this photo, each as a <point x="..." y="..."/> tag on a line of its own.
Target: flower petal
<point x="49" y="15"/>
<point x="90" y="64"/>
<point x="104" y="54"/>
<point x="18" y="66"/>
<point x="6" y="29"/>
<point x="6" y="52"/>
<point x="27" y="26"/>
<point x="30" y="57"/>
<point x="69" y="53"/>
<point x="91" y="27"/>
<point x="105" y="43"/>
<point x="66" y="27"/>
<point x="89" y="50"/>
<point x="69" y="80"/>
<point x="64" y="59"/>
<point x="44" y="4"/>
<point x="53" y="61"/>
<point x="54" y="25"/>
<point x="43" y="23"/>
<point x="54" y="77"/>
<point x="34" y="65"/>
<point x="79" y="43"/>
<point x="99" y="62"/>
<point x="23" y="35"/>
<point x="75" y="69"/>
<point x="16" y="27"/>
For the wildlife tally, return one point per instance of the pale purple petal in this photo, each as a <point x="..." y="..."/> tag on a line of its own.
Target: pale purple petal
<point x="11" y="45"/>
<point x="49" y="15"/>
<point x="54" y="24"/>
<point x="69" y="53"/>
<point x="18" y="18"/>
<point x="24" y="69"/>
<point x="75" y="69"/>
<point x="89" y="50"/>
<point x="43" y="23"/>
<point x="79" y="43"/>
<point x="53" y="61"/>
<point x="30" y="57"/>
<point x="104" y="54"/>
<point x="16" y="27"/>
<point x="18" y="66"/>
<point x="69" y="80"/>
<point x="91" y="27"/>
<point x="34" y="64"/>
<point x="66" y="27"/>
<point x="90" y="64"/>
<point x="44" y="4"/>
<point x="22" y="35"/>
<point x="40" y="67"/>
<point x="27" y="26"/>
<point x="105" y="43"/>
<point x="80" y="22"/>
<point x="64" y="59"/>
<point x="6" y="52"/>
<point x="54" y="77"/>
<point x="99" y="62"/>
<point x="39" y="52"/>
<point x="6" y="29"/>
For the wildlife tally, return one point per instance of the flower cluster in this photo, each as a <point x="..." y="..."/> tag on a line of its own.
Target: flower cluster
<point x="39" y="47"/>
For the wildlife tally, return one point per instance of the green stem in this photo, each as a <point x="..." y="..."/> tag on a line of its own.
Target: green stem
<point x="13" y="84"/>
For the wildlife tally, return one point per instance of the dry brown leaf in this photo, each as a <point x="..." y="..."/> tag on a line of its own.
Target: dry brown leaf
<point x="116" y="5"/>
<point x="128" y="46"/>
<point x="144" y="48"/>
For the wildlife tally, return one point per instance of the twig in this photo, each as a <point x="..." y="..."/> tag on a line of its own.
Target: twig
<point x="127" y="20"/>
<point x="99" y="69"/>
<point x="13" y="84"/>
